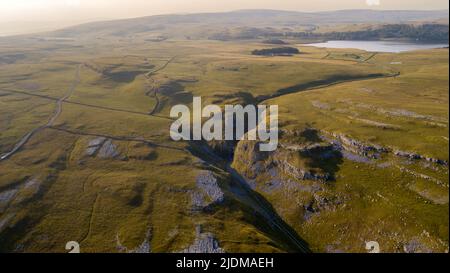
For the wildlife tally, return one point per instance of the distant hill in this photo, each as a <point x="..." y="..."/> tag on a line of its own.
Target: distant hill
<point x="204" y="24"/>
<point x="424" y="33"/>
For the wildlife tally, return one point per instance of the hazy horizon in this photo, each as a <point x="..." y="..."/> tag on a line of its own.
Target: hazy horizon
<point x="25" y="16"/>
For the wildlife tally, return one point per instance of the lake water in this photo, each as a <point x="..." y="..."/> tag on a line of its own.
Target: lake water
<point x="378" y="46"/>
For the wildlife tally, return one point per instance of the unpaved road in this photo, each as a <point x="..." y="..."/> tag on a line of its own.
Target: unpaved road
<point x="154" y="91"/>
<point x="51" y="121"/>
<point x="61" y="101"/>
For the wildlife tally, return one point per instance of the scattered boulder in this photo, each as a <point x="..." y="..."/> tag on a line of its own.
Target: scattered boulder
<point x="371" y="151"/>
<point x="415" y="156"/>
<point x="204" y="243"/>
<point x="360" y="147"/>
<point x="320" y="203"/>
<point x="412" y="156"/>
<point x="301" y="174"/>
<point x="414" y="246"/>
<point x="209" y="185"/>
<point x="353" y="149"/>
<point x="333" y="249"/>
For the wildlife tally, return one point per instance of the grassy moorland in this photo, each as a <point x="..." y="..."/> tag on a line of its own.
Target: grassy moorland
<point x="363" y="151"/>
<point x="396" y="198"/>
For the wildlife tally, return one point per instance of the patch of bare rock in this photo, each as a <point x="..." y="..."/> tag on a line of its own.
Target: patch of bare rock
<point x="204" y="242"/>
<point x="102" y="148"/>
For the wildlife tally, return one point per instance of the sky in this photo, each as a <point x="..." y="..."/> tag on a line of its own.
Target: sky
<point x="17" y="14"/>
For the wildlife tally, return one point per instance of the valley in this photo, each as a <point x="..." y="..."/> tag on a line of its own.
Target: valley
<point x="86" y="153"/>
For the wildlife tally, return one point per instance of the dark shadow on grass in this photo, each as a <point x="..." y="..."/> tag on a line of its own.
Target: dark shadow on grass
<point x="241" y="97"/>
<point x="324" y="159"/>
<point x="171" y="94"/>
<point x="330" y="81"/>
<point x="324" y="82"/>
<point x="123" y="76"/>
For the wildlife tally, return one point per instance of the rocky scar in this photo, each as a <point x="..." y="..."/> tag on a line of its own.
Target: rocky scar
<point x="233" y="120"/>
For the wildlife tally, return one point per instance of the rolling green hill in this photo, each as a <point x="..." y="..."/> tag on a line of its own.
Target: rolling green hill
<point x="209" y="24"/>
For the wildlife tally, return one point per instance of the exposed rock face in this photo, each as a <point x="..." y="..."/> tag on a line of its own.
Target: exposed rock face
<point x="348" y="146"/>
<point x="29" y="190"/>
<point x="102" y="148"/>
<point x="249" y="161"/>
<point x="306" y="159"/>
<point x="108" y="150"/>
<point x="414" y="156"/>
<point x="97" y="142"/>
<point x="94" y="145"/>
<point x="143" y="248"/>
<point x="198" y="200"/>
<point x="32" y="184"/>
<point x="6" y="197"/>
<point x="20" y="193"/>
<point x="415" y="246"/>
<point x="358" y="147"/>
<point x="5" y="220"/>
<point x="208" y="184"/>
<point x="253" y="163"/>
<point x="301" y="174"/>
<point x="204" y="243"/>
<point x="407" y="155"/>
<point x="351" y="153"/>
<point x="299" y="169"/>
<point x="321" y="203"/>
